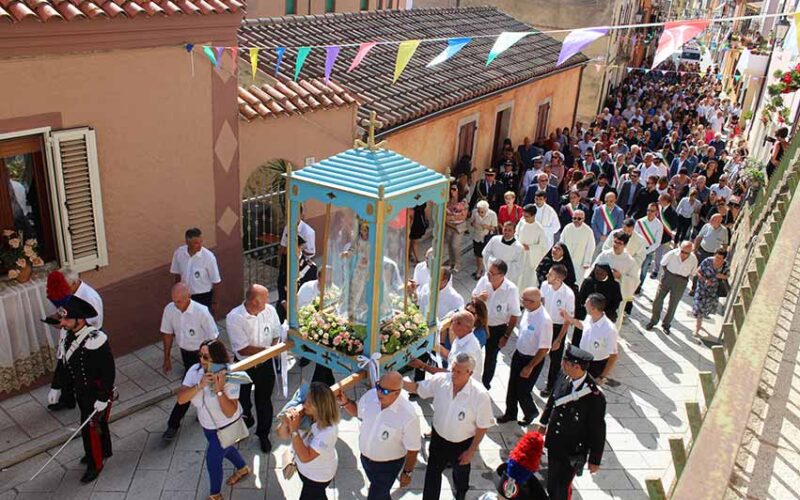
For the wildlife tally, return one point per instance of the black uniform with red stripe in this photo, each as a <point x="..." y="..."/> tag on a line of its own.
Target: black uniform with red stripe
<point x="87" y="366"/>
<point x="575" y="430"/>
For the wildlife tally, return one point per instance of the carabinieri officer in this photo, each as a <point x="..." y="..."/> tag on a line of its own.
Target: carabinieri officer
<point x="87" y="366"/>
<point x="574" y="419"/>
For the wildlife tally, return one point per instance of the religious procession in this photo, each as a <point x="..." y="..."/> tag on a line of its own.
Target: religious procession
<point x="513" y="261"/>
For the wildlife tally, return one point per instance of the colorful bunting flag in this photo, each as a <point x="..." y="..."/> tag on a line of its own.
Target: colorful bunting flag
<point x="504" y="42"/>
<point x="209" y="52"/>
<point x="219" y="56"/>
<point x="234" y="57"/>
<point x="363" y="49"/>
<point x="796" y="29"/>
<point x="736" y="78"/>
<point x="189" y="47"/>
<point x="630" y="69"/>
<point x="254" y="61"/>
<point x="675" y="34"/>
<point x="576" y="40"/>
<point x="302" y="53"/>
<point x="453" y="46"/>
<point x="331" y="53"/>
<point x="405" y="51"/>
<point x="280" y="51"/>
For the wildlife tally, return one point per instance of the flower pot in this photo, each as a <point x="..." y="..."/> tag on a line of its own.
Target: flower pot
<point x="24" y="274"/>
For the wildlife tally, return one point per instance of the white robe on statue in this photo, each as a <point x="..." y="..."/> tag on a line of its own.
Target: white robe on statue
<point x="548" y="218"/>
<point x="580" y="243"/>
<point x="512" y="255"/>
<point x="535" y="237"/>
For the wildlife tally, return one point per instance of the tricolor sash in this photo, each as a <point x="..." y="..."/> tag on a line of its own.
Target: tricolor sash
<point x="616" y="175"/>
<point x="663" y="219"/>
<point x="645" y="230"/>
<point x="606" y="213"/>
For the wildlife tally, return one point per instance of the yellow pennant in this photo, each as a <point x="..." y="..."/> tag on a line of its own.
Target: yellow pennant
<point x="404" y="53"/>
<point x="254" y="61"/>
<point x="797" y="28"/>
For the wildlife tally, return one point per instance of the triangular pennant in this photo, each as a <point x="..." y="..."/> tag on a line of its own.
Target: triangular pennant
<point x="280" y="51"/>
<point x="675" y="34"/>
<point x="361" y="54"/>
<point x="453" y="46"/>
<point x="630" y="69"/>
<point x="234" y="57"/>
<point x="219" y="56"/>
<point x="663" y="72"/>
<point x="254" y="61"/>
<point x="646" y="71"/>
<point x="302" y="53"/>
<point x="189" y="47"/>
<point x="796" y="29"/>
<point x="576" y="40"/>
<point x="331" y="53"/>
<point x="405" y="51"/>
<point x="736" y="78"/>
<point x="209" y="52"/>
<point x="504" y="42"/>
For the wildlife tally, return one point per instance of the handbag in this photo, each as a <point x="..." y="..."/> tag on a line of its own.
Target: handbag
<point x="723" y="288"/>
<point x="289" y="466"/>
<point x="231" y="433"/>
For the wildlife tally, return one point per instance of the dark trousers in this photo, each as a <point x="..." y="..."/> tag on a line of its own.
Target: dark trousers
<point x="67" y="397"/>
<point x="492" y="348"/>
<point x="96" y="436"/>
<point x="674" y="285"/>
<point x="520" y="389"/>
<point x="179" y="410"/>
<point x="560" y="474"/>
<point x="419" y="375"/>
<point x="323" y="374"/>
<point x="263" y="378"/>
<point x="555" y="359"/>
<point x="684" y="229"/>
<point x="381" y="476"/>
<point x="440" y="453"/>
<point x="312" y="490"/>
<point x="205" y="298"/>
<point x="577" y="335"/>
<point x="596" y="367"/>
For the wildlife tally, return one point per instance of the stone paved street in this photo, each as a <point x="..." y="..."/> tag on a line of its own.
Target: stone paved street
<point x="657" y="375"/>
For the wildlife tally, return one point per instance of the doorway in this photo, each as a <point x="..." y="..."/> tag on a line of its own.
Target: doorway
<point x="501" y="130"/>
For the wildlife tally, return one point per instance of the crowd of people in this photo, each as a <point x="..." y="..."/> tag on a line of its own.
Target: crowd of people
<point x="565" y="231"/>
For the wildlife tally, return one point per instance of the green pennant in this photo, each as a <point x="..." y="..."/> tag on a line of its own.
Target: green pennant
<point x="302" y="53"/>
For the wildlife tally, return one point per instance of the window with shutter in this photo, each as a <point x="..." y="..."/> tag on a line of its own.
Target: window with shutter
<point x="79" y="208"/>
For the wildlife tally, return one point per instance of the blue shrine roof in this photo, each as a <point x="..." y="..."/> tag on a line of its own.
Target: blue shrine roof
<point x="365" y="170"/>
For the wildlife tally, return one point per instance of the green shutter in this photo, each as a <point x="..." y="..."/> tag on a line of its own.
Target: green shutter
<point x="291" y="7"/>
<point x="364" y="4"/>
<point x="330" y="5"/>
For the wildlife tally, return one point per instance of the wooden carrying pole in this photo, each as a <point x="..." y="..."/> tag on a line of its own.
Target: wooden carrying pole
<point x="261" y="357"/>
<point x="408" y="259"/>
<point x="325" y="234"/>
<point x="349" y="381"/>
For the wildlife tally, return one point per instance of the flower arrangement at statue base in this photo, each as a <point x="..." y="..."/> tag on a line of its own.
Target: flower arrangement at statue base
<point x="788" y="82"/>
<point x="402" y="330"/>
<point x="328" y="329"/>
<point x="18" y="257"/>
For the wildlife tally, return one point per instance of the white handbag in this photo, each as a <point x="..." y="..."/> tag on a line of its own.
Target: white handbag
<point x="231" y="433"/>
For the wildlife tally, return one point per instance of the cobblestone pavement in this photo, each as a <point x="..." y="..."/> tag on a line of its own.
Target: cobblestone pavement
<point x="657" y="374"/>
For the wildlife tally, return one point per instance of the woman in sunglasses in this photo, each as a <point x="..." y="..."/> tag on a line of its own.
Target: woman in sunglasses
<point x="217" y="403"/>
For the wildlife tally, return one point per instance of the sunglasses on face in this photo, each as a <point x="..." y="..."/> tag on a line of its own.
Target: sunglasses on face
<point x="205" y="357"/>
<point x="383" y="390"/>
<point x="577" y="218"/>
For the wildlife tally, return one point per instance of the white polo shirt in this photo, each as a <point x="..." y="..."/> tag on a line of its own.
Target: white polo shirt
<point x="198" y="271"/>
<point x="307" y="233"/>
<point x="191" y="327"/>
<point x="449" y="300"/>
<point x="422" y="276"/>
<point x="389" y="433"/>
<point x="472" y="346"/>
<point x="502" y="303"/>
<point x="673" y="263"/>
<point x="556" y="300"/>
<point x="599" y="338"/>
<point x="457" y="419"/>
<point x="535" y="332"/>
<point x="91" y="296"/>
<point x="244" y="329"/>
<point x="323" y="441"/>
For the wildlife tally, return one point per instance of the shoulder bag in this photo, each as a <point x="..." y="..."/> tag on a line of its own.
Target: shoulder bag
<point x="231" y="433"/>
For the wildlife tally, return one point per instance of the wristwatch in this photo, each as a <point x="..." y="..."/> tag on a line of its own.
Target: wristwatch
<point x="295" y="433"/>
<point x="407" y="472"/>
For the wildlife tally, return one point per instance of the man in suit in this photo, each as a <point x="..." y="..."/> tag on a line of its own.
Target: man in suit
<point x="630" y="188"/>
<point x="590" y="164"/>
<point x="551" y="192"/>
<point x="573" y="423"/>
<point x="488" y="189"/>
<point x="568" y="209"/>
<point x="644" y="198"/>
<point x="599" y="190"/>
<point x="606" y="218"/>
<point x="680" y="162"/>
<point x="669" y="222"/>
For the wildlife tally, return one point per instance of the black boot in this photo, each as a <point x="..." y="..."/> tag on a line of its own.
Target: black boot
<point x="90" y="476"/>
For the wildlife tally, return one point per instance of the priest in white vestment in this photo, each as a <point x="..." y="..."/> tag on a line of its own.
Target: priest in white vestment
<point x="533" y="238"/>
<point x="579" y="239"/>
<point x="505" y="247"/>
<point x="547" y="217"/>
<point x="637" y="246"/>
<point x="624" y="267"/>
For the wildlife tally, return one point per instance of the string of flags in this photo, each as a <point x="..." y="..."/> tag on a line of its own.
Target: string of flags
<point x="674" y="35"/>
<point x="598" y="66"/>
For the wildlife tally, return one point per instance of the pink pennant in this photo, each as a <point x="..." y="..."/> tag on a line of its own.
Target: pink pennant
<point x="219" y="56"/>
<point x="234" y="54"/>
<point x="362" y="53"/>
<point x="677" y="33"/>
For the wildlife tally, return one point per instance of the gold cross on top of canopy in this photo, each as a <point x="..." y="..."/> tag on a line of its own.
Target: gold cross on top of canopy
<point x="371" y="124"/>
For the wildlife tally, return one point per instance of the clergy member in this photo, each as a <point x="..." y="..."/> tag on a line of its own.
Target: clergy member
<point x="505" y="247"/>
<point x="533" y="239"/>
<point x="547" y="217"/>
<point x="579" y="239"/>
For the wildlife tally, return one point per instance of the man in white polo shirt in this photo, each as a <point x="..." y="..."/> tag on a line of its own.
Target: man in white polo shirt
<point x="389" y="438"/>
<point x="189" y="324"/>
<point x="252" y="327"/>
<point x="462" y="413"/>
<point x="557" y="296"/>
<point x="462" y="326"/>
<point x="533" y="344"/>
<point x="501" y="297"/>
<point x="449" y="299"/>
<point x="599" y="337"/>
<point x="196" y="266"/>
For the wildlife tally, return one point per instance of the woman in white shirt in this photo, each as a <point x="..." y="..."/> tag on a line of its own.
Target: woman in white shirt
<point x="315" y="451"/>
<point x="484" y="225"/>
<point x="217" y="403"/>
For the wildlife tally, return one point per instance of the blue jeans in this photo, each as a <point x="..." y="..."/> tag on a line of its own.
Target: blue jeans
<point x="214" y="457"/>
<point x="381" y="476"/>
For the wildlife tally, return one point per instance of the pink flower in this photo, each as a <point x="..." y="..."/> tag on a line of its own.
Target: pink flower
<point x="28" y="251"/>
<point x="31" y="242"/>
<point x="337" y="340"/>
<point x="37" y="262"/>
<point x="12" y="274"/>
<point x="14" y="242"/>
<point x="7" y="232"/>
<point x="21" y="263"/>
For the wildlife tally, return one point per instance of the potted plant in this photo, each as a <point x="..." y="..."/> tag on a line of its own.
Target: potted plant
<point x="19" y="256"/>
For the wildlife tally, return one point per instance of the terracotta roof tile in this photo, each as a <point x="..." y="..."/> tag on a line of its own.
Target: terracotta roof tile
<point x="45" y="11"/>
<point x="420" y="91"/>
<point x="285" y="97"/>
